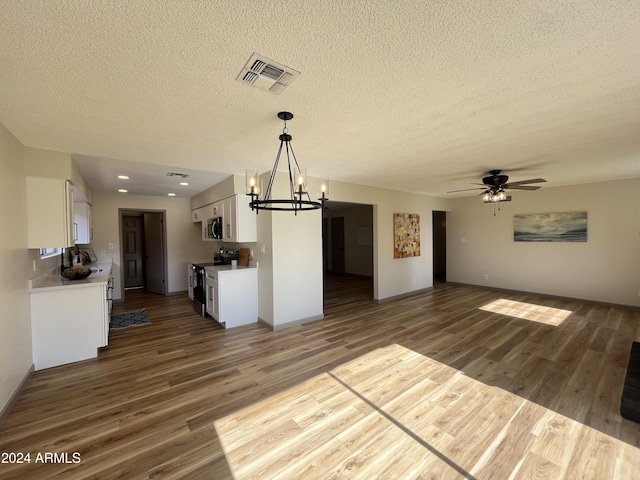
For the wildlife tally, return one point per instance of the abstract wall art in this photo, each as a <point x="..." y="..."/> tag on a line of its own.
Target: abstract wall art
<point x="406" y="235"/>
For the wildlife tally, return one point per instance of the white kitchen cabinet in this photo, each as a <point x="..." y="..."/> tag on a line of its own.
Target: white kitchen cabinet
<point x="83" y="224"/>
<point x="67" y="325"/>
<point x="239" y="220"/>
<point x="69" y="319"/>
<point x="50" y="219"/>
<point x="234" y="295"/>
<point x="197" y="215"/>
<point x="106" y="312"/>
<point x="211" y="211"/>
<point x="216" y="209"/>
<point x="191" y="279"/>
<point x="211" y="296"/>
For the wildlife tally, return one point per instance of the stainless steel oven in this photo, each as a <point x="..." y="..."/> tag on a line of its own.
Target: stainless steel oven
<point x="199" y="293"/>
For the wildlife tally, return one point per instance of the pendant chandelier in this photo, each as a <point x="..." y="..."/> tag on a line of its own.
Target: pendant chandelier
<point x="299" y="199"/>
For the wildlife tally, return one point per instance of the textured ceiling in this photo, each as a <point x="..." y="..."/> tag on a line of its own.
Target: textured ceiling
<point x="410" y="95"/>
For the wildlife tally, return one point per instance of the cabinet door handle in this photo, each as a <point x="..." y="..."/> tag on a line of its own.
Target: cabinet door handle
<point x="75" y="231"/>
<point x="91" y="234"/>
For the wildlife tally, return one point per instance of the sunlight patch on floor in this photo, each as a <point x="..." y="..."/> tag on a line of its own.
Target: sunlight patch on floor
<point x="528" y="311"/>
<point x="393" y="413"/>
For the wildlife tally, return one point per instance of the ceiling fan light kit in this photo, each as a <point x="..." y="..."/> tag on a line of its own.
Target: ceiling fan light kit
<point x="490" y="197"/>
<point x="495" y="184"/>
<point x="299" y="198"/>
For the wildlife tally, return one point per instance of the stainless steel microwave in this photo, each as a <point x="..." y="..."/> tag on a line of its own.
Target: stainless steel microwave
<point x="214" y="228"/>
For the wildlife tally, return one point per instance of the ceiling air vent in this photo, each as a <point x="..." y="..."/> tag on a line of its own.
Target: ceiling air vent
<point x="176" y="174"/>
<point x="266" y="74"/>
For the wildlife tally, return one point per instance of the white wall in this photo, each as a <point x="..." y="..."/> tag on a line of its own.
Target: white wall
<point x="15" y="316"/>
<point x="184" y="238"/>
<point x="399" y="276"/>
<point x="290" y="268"/>
<point x="297" y="266"/>
<point x="264" y="256"/>
<point x="49" y="163"/>
<point x="229" y="186"/>
<point x="606" y="268"/>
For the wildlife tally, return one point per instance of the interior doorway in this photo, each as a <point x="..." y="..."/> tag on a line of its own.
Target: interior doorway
<point x="337" y="245"/>
<point x="143" y="253"/>
<point x="439" y="224"/>
<point x="348" y="246"/>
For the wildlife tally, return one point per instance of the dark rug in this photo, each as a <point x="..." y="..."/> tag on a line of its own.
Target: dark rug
<point x="129" y="319"/>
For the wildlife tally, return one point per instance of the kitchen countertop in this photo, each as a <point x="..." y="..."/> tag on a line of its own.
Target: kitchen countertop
<point x="54" y="281"/>
<point x="225" y="268"/>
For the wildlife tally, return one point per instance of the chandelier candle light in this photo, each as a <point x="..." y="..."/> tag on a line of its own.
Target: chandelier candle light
<point x="299" y="198"/>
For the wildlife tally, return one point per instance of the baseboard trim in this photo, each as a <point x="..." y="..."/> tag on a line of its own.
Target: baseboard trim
<point x="179" y="292"/>
<point x="4" y="413"/>
<point x="402" y="295"/>
<point x="295" y="323"/>
<point x="546" y="295"/>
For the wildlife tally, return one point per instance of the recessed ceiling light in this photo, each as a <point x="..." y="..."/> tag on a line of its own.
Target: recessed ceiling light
<point x="122" y="190"/>
<point x="123" y="177"/>
<point x="171" y="194"/>
<point x="184" y="183"/>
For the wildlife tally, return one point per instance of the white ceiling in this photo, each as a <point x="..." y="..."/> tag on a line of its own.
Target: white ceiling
<point x="411" y="95"/>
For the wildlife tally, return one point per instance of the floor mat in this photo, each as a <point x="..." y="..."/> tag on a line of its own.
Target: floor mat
<point x="129" y="319"/>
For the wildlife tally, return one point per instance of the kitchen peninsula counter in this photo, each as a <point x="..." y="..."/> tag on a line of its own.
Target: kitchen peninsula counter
<point x="69" y="318"/>
<point x="53" y="281"/>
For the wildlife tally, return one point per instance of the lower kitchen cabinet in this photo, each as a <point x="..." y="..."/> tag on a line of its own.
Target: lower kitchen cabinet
<point x="232" y="295"/>
<point x="69" y="322"/>
<point x="67" y="325"/>
<point x="191" y="280"/>
<point x="212" y="305"/>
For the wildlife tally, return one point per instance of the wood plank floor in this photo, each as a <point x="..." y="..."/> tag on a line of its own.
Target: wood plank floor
<point x="456" y="382"/>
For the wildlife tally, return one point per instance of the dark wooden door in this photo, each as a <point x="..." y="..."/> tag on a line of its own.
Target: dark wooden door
<point x="439" y="220"/>
<point x="154" y="252"/>
<point x="337" y="244"/>
<point x="133" y="245"/>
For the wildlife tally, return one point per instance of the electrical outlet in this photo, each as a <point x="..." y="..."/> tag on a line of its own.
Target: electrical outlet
<point x="111" y="246"/>
<point x="463" y="240"/>
<point x="486" y="276"/>
<point x="296" y="305"/>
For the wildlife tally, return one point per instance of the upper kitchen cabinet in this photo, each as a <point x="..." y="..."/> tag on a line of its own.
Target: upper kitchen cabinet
<point x="83" y="222"/>
<point x="239" y="220"/>
<point x="50" y="218"/>
<point x="197" y="215"/>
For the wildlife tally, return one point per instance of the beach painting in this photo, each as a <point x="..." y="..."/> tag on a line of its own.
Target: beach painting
<point x="550" y="227"/>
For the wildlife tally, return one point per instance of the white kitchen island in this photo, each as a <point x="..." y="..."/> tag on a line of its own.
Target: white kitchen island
<point x="232" y="294"/>
<point x="69" y="318"/>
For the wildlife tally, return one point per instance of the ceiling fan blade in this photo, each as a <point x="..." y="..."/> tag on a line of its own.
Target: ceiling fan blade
<point x="467" y="189"/>
<point x="524" y="182"/>
<point x="522" y="187"/>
